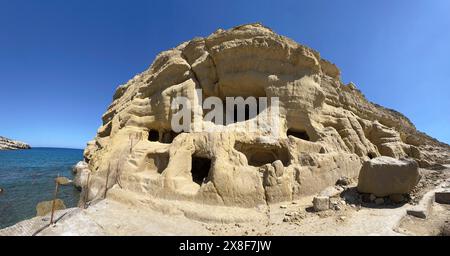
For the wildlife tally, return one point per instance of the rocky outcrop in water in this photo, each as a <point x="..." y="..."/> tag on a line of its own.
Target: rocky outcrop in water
<point x="327" y="129"/>
<point x="6" y="144"/>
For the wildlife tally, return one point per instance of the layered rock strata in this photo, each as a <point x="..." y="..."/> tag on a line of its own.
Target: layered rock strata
<point x="8" y="144"/>
<point x="327" y="129"/>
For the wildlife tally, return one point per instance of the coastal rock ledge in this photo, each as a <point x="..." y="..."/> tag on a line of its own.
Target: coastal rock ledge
<point x="7" y="144"/>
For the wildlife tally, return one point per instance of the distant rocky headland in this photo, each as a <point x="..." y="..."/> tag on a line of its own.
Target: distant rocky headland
<point x="8" y="144"/>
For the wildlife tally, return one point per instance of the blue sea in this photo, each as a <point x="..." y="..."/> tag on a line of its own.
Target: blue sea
<point x="27" y="177"/>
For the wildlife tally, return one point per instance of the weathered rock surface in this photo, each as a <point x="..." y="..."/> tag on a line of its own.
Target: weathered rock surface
<point x="384" y="176"/>
<point x="79" y="166"/>
<point x="327" y="128"/>
<point x="81" y="172"/>
<point x="321" y="203"/>
<point x="442" y="197"/>
<point x="7" y="144"/>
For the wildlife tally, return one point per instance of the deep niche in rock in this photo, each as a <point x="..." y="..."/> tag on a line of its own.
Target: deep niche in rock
<point x="261" y="154"/>
<point x="168" y="136"/>
<point x="301" y="134"/>
<point x="157" y="162"/>
<point x="153" y="135"/>
<point x="200" y="169"/>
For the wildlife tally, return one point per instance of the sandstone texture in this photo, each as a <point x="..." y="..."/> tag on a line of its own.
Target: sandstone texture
<point x="81" y="172"/>
<point x="321" y="203"/>
<point x="327" y="129"/>
<point x="8" y="144"/>
<point x="384" y="176"/>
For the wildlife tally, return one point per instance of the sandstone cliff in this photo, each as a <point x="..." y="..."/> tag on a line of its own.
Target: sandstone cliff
<point x="12" y="144"/>
<point x="327" y="128"/>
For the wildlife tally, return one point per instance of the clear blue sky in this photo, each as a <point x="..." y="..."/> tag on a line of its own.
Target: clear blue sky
<point x="60" y="61"/>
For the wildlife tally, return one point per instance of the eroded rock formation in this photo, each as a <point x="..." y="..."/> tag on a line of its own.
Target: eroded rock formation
<point x="327" y="128"/>
<point x="7" y="144"/>
<point x="385" y="176"/>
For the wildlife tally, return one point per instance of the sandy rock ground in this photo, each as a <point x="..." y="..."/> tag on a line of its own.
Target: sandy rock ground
<point x="142" y="216"/>
<point x="432" y="226"/>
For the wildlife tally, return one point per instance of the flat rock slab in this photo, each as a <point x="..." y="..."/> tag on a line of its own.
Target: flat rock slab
<point x="423" y="209"/>
<point x="32" y="226"/>
<point x="442" y="197"/>
<point x="418" y="213"/>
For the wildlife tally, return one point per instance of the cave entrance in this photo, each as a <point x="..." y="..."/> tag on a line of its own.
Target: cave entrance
<point x="157" y="162"/>
<point x="200" y="169"/>
<point x="261" y="154"/>
<point x="153" y="135"/>
<point x="301" y="134"/>
<point x="260" y="158"/>
<point x="168" y="137"/>
<point x="371" y="155"/>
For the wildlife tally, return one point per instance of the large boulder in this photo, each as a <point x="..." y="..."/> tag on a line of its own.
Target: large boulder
<point x="63" y="181"/>
<point x="384" y="176"/>
<point x="45" y="207"/>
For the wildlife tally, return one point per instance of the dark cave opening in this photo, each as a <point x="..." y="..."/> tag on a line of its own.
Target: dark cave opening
<point x="169" y="136"/>
<point x="153" y="135"/>
<point x="157" y="162"/>
<point x="371" y="155"/>
<point x="260" y="158"/>
<point x="258" y="155"/>
<point x="200" y="169"/>
<point x="299" y="134"/>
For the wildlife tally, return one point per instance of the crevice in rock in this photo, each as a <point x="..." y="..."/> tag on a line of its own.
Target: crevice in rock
<point x="371" y="155"/>
<point x="191" y="69"/>
<point x="267" y="212"/>
<point x="218" y="193"/>
<point x="213" y="61"/>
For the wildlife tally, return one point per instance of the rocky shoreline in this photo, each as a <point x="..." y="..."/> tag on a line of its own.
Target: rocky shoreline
<point x="125" y="213"/>
<point x="8" y="144"/>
